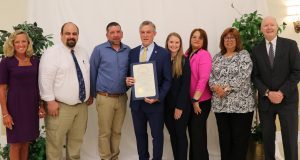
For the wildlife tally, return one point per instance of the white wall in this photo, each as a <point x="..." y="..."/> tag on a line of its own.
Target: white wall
<point x="278" y="9"/>
<point x="12" y="12"/>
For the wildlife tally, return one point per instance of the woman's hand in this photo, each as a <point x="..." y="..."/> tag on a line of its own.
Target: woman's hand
<point x="8" y="121"/>
<point x="177" y="113"/>
<point x="197" y="108"/>
<point x="219" y="91"/>
<point x="42" y="112"/>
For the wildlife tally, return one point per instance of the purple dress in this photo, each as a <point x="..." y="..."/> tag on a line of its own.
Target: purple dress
<point x="22" y="98"/>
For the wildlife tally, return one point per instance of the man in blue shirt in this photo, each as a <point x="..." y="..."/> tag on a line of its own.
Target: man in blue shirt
<point x="109" y="66"/>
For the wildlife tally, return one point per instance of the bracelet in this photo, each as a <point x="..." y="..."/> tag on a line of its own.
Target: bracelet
<point x="4" y="115"/>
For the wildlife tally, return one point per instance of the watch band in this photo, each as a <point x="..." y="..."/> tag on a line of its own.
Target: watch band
<point x="194" y="100"/>
<point x="267" y="93"/>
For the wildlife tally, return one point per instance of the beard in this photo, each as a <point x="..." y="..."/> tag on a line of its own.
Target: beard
<point x="71" y="43"/>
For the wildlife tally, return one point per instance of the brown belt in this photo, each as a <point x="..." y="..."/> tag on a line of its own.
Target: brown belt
<point x="110" y="95"/>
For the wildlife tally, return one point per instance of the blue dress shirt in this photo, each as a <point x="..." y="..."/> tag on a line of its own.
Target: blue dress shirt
<point x="108" y="69"/>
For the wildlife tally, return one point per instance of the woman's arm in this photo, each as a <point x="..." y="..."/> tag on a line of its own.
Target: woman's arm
<point x="7" y="119"/>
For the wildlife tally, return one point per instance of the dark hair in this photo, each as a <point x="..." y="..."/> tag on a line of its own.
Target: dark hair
<point x="63" y="26"/>
<point x="236" y="34"/>
<point x="203" y="35"/>
<point x="112" y="24"/>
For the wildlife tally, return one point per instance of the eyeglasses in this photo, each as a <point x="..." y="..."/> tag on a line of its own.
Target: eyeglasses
<point x="227" y="38"/>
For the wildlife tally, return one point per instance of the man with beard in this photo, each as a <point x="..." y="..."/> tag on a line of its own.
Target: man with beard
<point x="65" y="85"/>
<point x="109" y="65"/>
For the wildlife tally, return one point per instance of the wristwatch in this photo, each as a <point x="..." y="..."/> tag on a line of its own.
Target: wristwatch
<point x="194" y="100"/>
<point x="267" y="93"/>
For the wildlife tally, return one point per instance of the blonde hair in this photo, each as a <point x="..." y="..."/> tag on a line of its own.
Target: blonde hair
<point x="177" y="62"/>
<point x="9" y="49"/>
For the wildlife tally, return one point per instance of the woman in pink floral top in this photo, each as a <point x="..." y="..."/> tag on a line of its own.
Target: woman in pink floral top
<point x="200" y="62"/>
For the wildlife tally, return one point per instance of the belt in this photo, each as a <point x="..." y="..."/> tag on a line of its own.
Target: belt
<point x="111" y="95"/>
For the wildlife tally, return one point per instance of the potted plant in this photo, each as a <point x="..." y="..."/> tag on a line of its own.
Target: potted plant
<point x="249" y="27"/>
<point x="37" y="148"/>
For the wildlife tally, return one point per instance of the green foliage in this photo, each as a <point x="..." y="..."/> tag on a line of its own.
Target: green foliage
<point x="40" y="42"/>
<point x="256" y="132"/>
<point x="37" y="148"/>
<point x="249" y="27"/>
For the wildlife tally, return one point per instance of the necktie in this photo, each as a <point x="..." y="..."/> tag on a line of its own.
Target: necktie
<point x="271" y="54"/>
<point x="143" y="56"/>
<point x="80" y="78"/>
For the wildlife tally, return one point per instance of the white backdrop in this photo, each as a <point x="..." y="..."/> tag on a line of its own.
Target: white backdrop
<point x="92" y="16"/>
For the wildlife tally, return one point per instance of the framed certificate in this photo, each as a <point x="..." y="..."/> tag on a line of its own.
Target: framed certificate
<point x="145" y="77"/>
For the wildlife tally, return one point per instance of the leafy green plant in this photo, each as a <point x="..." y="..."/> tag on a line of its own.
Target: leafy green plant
<point x="249" y="27"/>
<point x="37" y="148"/>
<point x="40" y="42"/>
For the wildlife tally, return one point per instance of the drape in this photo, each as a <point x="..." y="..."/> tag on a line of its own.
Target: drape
<point x="92" y="16"/>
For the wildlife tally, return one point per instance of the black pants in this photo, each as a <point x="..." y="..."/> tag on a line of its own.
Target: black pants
<point x="177" y="130"/>
<point x="288" y="117"/>
<point x="198" y="133"/>
<point x="234" y="131"/>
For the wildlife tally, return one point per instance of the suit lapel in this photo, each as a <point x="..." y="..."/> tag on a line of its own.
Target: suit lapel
<point x="136" y="55"/>
<point x="265" y="54"/>
<point x="154" y="52"/>
<point x="278" y="51"/>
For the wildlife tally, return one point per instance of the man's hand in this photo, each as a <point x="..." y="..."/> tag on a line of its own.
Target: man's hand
<point x="129" y="81"/>
<point x="150" y="100"/>
<point x="90" y="100"/>
<point x="275" y="97"/>
<point x="53" y="108"/>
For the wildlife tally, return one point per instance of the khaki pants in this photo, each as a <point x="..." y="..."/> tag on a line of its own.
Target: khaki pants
<point x="69" y="126"/>
<point x="111" y="114"/>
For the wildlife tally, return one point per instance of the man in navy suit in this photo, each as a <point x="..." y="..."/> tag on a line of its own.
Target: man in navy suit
<point x="150" y="109"/>
<point x="276" y="73"/>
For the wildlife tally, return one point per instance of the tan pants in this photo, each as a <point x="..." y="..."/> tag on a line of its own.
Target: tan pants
<point x="111" y="114"/>
<point x="69" y="126"/>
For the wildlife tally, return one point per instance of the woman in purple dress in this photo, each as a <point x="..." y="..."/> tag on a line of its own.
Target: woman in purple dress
<point x="19" y="94"/>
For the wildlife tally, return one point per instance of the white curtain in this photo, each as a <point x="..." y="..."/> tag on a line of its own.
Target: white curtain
<point x="92" y="16"/>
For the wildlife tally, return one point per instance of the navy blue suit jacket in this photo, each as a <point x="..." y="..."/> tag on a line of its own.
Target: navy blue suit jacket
<point x="162" y="60"/>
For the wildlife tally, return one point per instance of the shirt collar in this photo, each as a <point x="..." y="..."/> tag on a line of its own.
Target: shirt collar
<point x="150" y="47"/>
<point x="273" y="41"/>
<point x="67" y="49"/>
<point x="122" y="46"/>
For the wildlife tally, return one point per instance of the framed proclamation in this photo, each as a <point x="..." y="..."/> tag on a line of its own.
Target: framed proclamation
<point x="145" y="77"/>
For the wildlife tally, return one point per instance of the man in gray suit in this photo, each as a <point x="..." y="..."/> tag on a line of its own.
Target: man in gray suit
<point x="276" y="73"/>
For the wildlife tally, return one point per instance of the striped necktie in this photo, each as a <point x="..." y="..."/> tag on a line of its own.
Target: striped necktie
<point x="271" y="54"/>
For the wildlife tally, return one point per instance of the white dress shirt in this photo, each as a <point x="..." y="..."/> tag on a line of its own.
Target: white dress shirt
<point x="273" y="43"/>
<point x="58" y="77"/>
